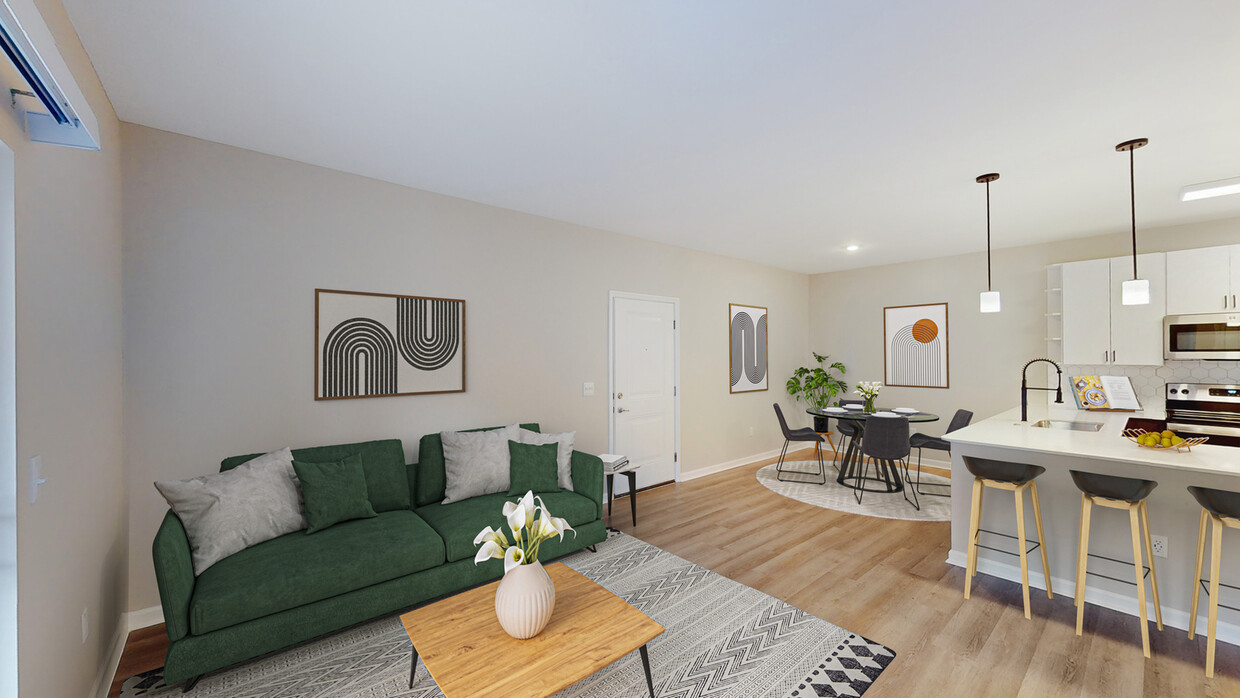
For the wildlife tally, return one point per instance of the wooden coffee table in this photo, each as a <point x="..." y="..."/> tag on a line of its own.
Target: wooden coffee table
<point x="468" y="653"/>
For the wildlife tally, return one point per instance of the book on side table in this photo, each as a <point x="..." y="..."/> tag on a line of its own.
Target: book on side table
<point x="613" y="463"/>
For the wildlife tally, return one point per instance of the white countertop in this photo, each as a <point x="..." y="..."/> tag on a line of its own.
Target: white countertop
<point x="1005" y="430"/>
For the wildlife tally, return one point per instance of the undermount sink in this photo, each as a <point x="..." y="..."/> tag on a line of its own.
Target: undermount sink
<point x="1065" y="424"/>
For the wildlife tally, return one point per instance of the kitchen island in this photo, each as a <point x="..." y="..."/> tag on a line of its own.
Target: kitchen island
<point x="1173" y="513"/>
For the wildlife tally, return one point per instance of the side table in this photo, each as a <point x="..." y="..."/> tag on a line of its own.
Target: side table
<point x="631" y="474"/>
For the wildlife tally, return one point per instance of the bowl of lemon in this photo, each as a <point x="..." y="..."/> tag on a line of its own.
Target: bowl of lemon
<point x="1163" y="440"/>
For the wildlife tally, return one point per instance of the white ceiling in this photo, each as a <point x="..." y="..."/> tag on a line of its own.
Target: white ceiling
<point x="778" y="131"/>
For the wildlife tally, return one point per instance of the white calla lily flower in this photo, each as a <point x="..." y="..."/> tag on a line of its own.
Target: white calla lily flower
<point x="513" y="557"/>
<point x="561" y="525"/>
<point x="516" y="518"/>
<point x="491" y="534"/>
<point x="489" y="550"/>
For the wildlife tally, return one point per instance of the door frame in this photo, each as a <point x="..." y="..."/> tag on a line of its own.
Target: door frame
<point x="611" y="368"/>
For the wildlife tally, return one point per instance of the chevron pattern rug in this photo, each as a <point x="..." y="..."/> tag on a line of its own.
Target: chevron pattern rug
<point x="723" y="639"/>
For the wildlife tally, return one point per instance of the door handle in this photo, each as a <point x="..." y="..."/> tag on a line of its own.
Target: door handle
<point x="622" y="409"/>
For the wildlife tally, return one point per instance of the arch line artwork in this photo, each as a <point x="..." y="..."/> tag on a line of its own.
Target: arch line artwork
<point x="747" y="348"/>
<point x="379" y="345"/>
<point x="915" y="350"/>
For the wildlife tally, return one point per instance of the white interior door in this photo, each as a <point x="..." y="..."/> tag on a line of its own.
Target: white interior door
<point x="644" y="375"/>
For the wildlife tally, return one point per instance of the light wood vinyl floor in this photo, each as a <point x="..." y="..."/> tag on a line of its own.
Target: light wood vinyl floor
<point x="888" y="580"/>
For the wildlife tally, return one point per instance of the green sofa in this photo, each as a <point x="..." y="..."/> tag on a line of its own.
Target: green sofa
<point x="298" y="586"/>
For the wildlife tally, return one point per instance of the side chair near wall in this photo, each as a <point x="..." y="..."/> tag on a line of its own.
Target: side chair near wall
<point x="848" y="430"/>
<point x="806" y="434"/>
<point x="920" y="441"/>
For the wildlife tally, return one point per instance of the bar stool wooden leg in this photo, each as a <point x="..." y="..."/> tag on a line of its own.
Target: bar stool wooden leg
<point x="1149" y="555"/>
<point x="1082" y="552"/>
<point x="1037" y="519"/>
<point x="1024" y="557"/>
<point x="1216" y="554"/>
<point x="975" y="506"/>
<point x="1201" y="549"/>
<point x="1136" y="557"/>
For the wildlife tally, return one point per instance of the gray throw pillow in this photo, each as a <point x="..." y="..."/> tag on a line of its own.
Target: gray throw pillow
<point x="476" y="462"/>
<point x="564" y="454"/>
<point x="227" y="512"/>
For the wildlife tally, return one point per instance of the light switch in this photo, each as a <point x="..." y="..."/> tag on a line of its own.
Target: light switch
<point x="36" y="477"/>
<point x="587" y="389"/>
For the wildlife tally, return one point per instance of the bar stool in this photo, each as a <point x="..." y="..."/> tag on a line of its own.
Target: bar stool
<point x="1115" y="492"/>
<point x="1223" y="508"/>
<point x="885" y="443"/>
<point x="1015" y="478"/>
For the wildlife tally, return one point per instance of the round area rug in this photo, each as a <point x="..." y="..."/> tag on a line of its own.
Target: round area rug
<point x="835" y="496"/>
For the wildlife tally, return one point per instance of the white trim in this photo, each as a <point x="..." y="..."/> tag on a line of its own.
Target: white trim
<point x="611" y="367"/>
<point x="144" y="618"/>
<point x="1226" y="632"/>
<point x="728" y="465"/>
<point x="103" y="679"/>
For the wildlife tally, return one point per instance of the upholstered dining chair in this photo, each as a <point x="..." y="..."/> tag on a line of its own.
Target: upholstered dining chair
<point x="886" y="445"/>
<point x="791" y="435"/>
<point x="919" y="441"/>
<point x="848" y="430"/>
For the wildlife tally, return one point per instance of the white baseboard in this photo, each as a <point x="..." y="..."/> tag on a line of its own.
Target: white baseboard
<point x="1175" y="618"/>
<point x="144" y="618"/>
<point x="720" y="467"/>
<point x="103" y="680"/>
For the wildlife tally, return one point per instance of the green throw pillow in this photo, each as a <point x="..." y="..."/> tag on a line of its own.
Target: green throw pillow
<point x="533" y="468"/>
<point x="333" y="492"/>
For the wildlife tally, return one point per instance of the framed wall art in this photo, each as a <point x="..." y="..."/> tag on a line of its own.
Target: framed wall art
<point x="379" y="344"/>
<point x="747" y="347"/>
<point x="915" y="346"/>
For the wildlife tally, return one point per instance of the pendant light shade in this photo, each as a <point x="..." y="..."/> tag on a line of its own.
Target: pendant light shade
<point x="990" y="297"/>
<point x="1136" y="291"/>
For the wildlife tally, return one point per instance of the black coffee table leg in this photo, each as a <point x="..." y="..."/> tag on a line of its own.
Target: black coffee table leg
<point x="413" y="665"/>
<point x="632" y="475"/>
<point x="646" y="666"/>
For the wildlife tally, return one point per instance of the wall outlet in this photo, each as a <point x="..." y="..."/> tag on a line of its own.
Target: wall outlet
<point x="1159" y="544"/>
<point x="587" y="389"/>
<point x="751" y="431"/>
<point x="85" y="624"/>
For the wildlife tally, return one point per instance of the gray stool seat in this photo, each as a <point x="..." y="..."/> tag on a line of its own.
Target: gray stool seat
<point x="1002" y="471"/>
<point x="1125" y="489"/>
<point x="1217" y="502"/>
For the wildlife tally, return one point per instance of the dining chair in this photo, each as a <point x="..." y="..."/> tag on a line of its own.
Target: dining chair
<point x="802" y="434"/>
<point x="848" y="430"/>
<point x="886" y="445"/>
<point x="919" y="441"/>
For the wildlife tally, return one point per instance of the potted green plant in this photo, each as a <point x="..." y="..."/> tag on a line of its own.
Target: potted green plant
<point x="817" y="386"/>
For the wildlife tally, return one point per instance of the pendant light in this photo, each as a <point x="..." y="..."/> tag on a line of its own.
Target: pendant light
<point x="1135" y="291"/>
<point x="989" y="297"/>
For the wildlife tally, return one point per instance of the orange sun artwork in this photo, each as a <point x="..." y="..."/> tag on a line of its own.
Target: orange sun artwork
<point x="924" y="330"/>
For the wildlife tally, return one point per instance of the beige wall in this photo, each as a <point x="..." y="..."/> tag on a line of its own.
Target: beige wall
<point x="223" y="251"/>
<point x="987" y="351"/>
<point x="72" y="543"/>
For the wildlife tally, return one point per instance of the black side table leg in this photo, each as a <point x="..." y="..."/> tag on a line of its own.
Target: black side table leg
<point x="413" y="666"/>
<point x="611" y="491"/>
<point x="632" y="475"/>
<point x="646" y="666"/>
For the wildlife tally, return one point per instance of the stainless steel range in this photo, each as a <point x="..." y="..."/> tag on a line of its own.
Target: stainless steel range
<point x="1201" y="408"/>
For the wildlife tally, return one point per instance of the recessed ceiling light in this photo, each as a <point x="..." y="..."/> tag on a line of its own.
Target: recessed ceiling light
<point x="1207" y="190"/>
<point x="853" y="248"/>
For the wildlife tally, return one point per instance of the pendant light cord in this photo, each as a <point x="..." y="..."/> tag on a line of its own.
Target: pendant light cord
<point x="1132" y="191"/>
<point x="988" y="288"/>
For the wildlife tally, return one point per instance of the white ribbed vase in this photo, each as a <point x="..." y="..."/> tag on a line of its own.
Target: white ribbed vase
<point x="524" y="600"/>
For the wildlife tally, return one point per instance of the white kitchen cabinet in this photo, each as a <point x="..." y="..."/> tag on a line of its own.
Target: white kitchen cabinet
<point x="1204" y="280"/>
<point x="1087" y="312"/>
<point x="1136" y="330"/>
<point x="1098" y="329"/>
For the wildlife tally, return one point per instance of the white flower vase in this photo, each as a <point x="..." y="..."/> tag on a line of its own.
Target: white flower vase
<point x="524" y="600"/>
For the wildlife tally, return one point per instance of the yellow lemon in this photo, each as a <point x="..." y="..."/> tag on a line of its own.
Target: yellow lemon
<point x="1166" y="443"/>
<point x="1168" y="434"/>
<point x="1176" y="441"/>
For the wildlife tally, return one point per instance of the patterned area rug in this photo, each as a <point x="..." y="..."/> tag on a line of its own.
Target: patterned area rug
<point x="723" y="639"/>
<point x="835" y="496"/>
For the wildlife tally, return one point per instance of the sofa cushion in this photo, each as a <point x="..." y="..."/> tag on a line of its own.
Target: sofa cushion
<point x="458" y="523"/>
<point x="296" y="569"/>
<point x="533" y="468"/>
<point x="476" y="462"/>
<point x="387" y="483"/>
<point x="431" y="477"/>
<point x="333" y="492"/>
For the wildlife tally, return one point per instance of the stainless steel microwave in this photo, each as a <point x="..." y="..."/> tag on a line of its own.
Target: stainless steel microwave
<point x="1211" y="336"/>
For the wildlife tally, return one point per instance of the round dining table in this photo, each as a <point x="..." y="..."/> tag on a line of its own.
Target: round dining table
<point x="851" y="471"/>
